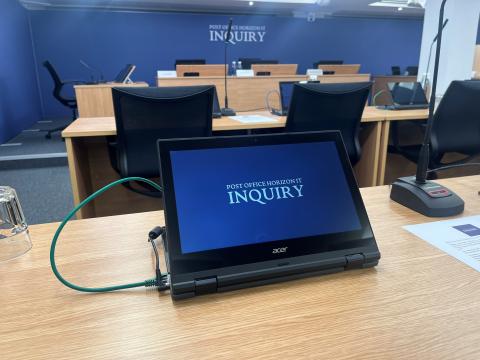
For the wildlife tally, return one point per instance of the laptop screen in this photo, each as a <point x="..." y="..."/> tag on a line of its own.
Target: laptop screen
<point x="407" y="93"/>
<point x="286" y="90"/>
<point x="235" y="196"/>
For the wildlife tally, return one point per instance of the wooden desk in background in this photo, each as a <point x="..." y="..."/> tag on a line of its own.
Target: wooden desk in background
<point x="202" y="70"/>
<point x="250" y="93"/>
<point x="418" y="303"/>
<point x="275" y="69"/>
<point x="96" y="100"/>
<point x="346" y="69"/>
<point x="90" y="167"/>
<point x="476" y="63"/>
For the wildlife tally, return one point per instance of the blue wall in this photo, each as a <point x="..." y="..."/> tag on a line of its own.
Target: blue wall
<point x="152" y="41"/>
<point x="19" y="98"/>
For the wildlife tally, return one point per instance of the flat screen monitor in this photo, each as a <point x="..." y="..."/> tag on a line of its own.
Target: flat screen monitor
<point x="407" y="93"/>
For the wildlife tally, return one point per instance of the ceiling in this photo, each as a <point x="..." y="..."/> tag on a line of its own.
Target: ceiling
<point x="357" y="8"/>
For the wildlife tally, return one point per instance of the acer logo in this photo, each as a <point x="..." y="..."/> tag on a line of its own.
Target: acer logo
<point x="280" y="250"/>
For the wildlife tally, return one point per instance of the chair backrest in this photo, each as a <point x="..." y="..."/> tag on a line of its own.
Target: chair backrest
<point x="396" y="70"/>
<point x="144" y="115"/>
<point x="456" y="126"/>
<point x="317" y="107"/>
<point x="56" y="80"/>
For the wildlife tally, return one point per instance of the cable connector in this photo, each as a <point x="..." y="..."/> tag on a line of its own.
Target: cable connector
<point x="161" y="281"/>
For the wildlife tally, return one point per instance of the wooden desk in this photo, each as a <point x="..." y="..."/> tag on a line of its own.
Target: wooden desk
<point x="96" y="100"/>
<point x="394" y="115"/>
<point x="476" y="63"/>
<point x="202" y="70"/>
<point x="90" y="168"/>
<point x="418" y="303"/>
<point x="346" y="69"/>
<point x="275" y="69"/>
<point x="250" y="93"/>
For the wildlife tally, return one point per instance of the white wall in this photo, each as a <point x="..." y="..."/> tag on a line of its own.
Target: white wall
<point x="458" y="43"/>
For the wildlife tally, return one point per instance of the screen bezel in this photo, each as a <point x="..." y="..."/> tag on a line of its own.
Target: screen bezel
<point x="219" y="258"/>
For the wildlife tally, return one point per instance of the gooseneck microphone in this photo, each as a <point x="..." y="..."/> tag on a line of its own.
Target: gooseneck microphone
<point x="226" y="111"/>
<point x="430" y="54"/>
<point x="416" y="192"/>
<point x="93" y="70"/>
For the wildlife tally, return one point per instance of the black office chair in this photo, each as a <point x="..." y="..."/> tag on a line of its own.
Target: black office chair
<point x="144" y="115"/>
<point x="317" y="107"/>
<point x="327" y="62"/>
<point x="58" y="90"/>
<point x="247" y="62"/>
<point x="456" y="127"/>
<point x="412" y="70"/>
<point x="396" y="71"/>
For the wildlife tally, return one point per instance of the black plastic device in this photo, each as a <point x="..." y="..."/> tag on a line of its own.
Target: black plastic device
<point x="214" y="244"/>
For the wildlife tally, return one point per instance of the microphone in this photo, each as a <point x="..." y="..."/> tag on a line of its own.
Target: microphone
<point x="92" y="70"/>
<point x="229" y="30"/>
<point x="430" y="54"/>
<point x="416" y="192"/>
<point x="226" y="111"/>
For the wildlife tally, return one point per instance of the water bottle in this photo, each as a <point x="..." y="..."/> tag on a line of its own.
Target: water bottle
<point x="239" y="66"/>
<point x="234" y="68"/>
<point x="14" y="236"/>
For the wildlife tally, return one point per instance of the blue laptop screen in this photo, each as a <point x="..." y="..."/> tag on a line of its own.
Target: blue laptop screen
<point x="229" y="197"/>
<point x="286" y="90"/>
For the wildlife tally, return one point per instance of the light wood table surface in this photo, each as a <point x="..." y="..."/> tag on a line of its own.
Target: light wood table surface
<point x="418" y="303"/>
<point x="90" y="167"/>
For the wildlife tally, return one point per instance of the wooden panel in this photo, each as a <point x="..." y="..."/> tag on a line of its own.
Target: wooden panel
<point x="96" y="100"/>
<point x="380" y="89"/>
<point x="366" y="170"/>
<point x="347" y="69"/>
<point x="250" y="93"/>
<point x="476" y="64"/>
<point x="418" y="303"/>
<point x="275" y="69"/>
<point x="203" y="70"/>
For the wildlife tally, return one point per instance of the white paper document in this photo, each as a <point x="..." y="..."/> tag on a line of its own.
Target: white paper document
<point x="459" y="238"/>
<point x="253" y="119"/>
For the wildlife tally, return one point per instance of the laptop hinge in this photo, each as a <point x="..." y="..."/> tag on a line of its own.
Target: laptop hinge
<point x="206" y="286"/>
<point x="354" y="261"/>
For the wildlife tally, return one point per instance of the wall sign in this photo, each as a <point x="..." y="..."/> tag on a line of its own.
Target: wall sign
<point x="239" y="34"/>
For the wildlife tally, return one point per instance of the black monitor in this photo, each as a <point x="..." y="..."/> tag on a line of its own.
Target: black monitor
<point x="407" y="93"/>
<point x="247" y="62"/>
<point x="190" y="62"/>
<point x="286" y="90"/>
<point x="327" y="62"/>
<point x="412" y="70"/>
<point x="124" y="75"/>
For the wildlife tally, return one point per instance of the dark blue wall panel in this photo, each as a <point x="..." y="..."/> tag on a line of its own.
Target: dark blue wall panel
<point x="19" y="98"/>
<point x="152" y="41"/>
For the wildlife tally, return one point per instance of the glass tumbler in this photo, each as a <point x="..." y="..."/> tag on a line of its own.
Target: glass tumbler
<point x="14" y="237"/>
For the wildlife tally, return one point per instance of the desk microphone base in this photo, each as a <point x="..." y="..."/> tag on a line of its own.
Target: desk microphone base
<point x="228" y="112"/>
<point x="429" y="199"/>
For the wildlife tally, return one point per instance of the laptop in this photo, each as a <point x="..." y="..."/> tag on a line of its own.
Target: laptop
<point x="406" y="95"/>
<point x="286" y="90"/>
<point x="124" y="75"/>
<point x="244" y="211"/>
